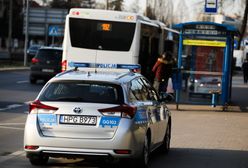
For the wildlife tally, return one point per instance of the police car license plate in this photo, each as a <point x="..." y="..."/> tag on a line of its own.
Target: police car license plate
<point x="47" y="70"/>
<point x="78" y="120"/>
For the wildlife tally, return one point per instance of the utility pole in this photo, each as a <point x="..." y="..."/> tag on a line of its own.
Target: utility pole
<point x="10" y="28"/>
<point x="107" y="4"/>
<point x="26" y="34"/>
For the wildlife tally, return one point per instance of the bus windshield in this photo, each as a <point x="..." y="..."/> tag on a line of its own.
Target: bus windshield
<point x="100" y="34"/>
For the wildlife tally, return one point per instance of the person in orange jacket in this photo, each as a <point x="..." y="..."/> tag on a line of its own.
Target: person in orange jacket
<point x="163" y="71"/>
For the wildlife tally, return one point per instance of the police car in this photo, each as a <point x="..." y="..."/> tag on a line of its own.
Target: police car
<point x="99" y="114"/>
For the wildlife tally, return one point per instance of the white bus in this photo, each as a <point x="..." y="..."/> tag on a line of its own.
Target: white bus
<point x="102" y="36"/>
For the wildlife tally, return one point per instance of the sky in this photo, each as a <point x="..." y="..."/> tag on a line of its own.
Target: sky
<point x="195" y="7"/>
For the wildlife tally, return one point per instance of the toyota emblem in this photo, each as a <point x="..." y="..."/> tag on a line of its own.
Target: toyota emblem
<point x="77" y="110"/>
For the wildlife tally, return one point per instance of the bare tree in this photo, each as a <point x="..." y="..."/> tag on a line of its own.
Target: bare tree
<point x="150" y="9"/>
<point x="181" y="12"/>
<point x="161" y="10"/>
<point x="134" y="7"/>
<point x="165" y="12"/>
<point x="115" y="5"/>
<point x="150" y="12"/>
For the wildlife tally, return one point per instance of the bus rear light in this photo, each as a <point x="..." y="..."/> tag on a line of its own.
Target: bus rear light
<point x="75" y="13"/>
<point x="38" y="105"/>
<point x="64" y="65"/>
<point x="125" y="110"/>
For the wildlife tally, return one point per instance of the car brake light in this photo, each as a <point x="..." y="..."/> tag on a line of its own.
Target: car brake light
<point x="126" y="111"/>
<point x="38" y="105"/>
<point x="64" y="65"/>
<point x="117" y="151"/>
<point x="35" y="60"/>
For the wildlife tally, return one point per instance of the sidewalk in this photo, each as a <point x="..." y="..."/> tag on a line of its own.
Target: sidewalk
<point x="15" y="65"/>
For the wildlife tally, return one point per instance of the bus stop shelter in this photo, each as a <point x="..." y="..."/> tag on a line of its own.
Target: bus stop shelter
<point x="204" y="70"/>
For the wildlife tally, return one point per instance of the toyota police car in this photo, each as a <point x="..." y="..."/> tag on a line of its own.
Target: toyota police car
<point x="99" y="114"/>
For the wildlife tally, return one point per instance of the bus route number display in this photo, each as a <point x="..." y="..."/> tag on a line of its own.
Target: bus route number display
<point x="104" y="27"/>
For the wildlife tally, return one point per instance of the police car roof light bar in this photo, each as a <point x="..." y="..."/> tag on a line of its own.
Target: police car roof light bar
<point x="107" y="66"/>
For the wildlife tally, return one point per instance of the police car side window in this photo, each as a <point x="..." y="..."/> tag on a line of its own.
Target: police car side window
<point x="136" y="91"/>
<point x="152" y="95"/>
<point x="144" y="91"/>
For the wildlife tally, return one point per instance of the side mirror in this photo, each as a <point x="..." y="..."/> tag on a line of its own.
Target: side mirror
<point x="167" y="97"/>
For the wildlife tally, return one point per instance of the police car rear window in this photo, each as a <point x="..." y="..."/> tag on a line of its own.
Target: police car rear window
<point x="76" y="91"/>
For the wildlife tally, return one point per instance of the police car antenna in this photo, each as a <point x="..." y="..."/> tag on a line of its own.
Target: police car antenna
<point x="100" y="48"/>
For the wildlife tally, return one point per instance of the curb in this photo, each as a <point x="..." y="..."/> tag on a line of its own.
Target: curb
<point x="204" y="108"/>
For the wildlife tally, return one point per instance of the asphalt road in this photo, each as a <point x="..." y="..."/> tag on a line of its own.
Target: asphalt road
<point x="15" y="88"/>
<point x="202" y="137"/>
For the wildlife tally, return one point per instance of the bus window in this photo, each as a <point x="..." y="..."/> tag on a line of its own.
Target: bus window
<point x="104" y="35"/>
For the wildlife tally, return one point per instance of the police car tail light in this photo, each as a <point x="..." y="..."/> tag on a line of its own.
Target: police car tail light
<point x="123" y="151"/>
<point x="31" y="147"/>
<point x="64" y="65"/>
<point x="124" y="111"/>
<point x="37" y="106"/>
<point x="138" y="70"/>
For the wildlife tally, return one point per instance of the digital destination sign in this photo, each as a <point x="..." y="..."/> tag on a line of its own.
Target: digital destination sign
<point x="104" y="27"/>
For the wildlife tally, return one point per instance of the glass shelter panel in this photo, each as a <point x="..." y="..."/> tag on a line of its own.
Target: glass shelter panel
<point x="202" y="68"/>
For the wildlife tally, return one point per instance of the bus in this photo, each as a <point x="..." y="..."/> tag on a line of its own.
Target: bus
<point x="104" y="36"/>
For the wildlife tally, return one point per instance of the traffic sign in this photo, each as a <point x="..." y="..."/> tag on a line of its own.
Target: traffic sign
<point x="211" y="6"/>
<point x="55" y="30"/>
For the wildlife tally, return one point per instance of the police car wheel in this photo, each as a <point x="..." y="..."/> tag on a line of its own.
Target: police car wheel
<point x="38" y="160"/>
<point x="165" y="147"/>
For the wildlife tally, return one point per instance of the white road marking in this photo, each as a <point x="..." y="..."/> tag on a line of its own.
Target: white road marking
<point x="4" y="124"/>
<point x="11" y="107"/>
<point x="12" y="155"/>
<point x="14" y="128"/>
<point x="20" y="82"/>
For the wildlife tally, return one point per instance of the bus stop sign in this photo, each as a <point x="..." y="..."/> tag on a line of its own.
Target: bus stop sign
<point x="211" y="6"/>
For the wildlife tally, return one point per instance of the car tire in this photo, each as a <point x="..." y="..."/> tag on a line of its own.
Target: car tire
<point x="38" y="160"/>
<point x="165" y="147"/>
<point x="143" y="161"/>
<point x="32" y="80"/>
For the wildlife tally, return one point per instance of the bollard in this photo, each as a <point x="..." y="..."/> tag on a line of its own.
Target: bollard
<point x="215" y="94"/>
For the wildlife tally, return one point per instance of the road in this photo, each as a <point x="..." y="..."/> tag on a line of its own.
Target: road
<point x="202" y="137"/>
<point x="15" y="88"/>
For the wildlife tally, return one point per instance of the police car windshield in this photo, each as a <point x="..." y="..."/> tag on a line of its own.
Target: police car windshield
<point x="77" y="91"/>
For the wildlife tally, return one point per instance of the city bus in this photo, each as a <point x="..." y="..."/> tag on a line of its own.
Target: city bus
<point x="104" y="36"/>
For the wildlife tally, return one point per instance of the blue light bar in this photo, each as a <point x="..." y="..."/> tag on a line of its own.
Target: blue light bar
<point x="108" y="66"/>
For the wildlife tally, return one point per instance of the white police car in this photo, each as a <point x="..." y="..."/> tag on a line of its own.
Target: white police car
<point x="112" y="115"/>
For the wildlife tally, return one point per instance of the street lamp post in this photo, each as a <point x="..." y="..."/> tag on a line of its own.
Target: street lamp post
<point x="107" y="4"/>
<point x="10" y="28"/>
<point x="26" y="34"/>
